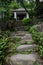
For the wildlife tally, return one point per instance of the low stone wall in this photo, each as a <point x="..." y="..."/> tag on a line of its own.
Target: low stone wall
<point x="2" y="25"/>
<point x="7" y="25"/>
<point x="39" y="27"/>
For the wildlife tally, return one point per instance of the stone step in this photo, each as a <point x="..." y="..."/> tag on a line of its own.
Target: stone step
<point x="24" y="48"/>
<point x="19" y="33"/>
<point x="22" y="42"/>
<point x="21" y="59"/>
<point x="27" y="37"/>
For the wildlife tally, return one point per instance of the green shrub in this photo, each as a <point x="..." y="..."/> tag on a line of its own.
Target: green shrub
<point x="15" y="39"/>
<point x="14" y="5"/>
<point x="36" y="63"/>
<point x="27" y="28"/>
<point x="39" y="9"/>
<point x="26" y="21"/>
<point x="41" y="51"/>
<point x="33" y="30"/>
<point x="38" y="38"/>
<point x="7" y="33"/>
<point x="3" y="49"/>
<point x="0" y="34"/>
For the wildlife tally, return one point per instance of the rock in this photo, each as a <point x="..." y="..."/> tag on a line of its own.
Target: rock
<point x="26" y="41"/>
<point x="21" y="59"/>
<point x="22" y="48"/>
<point x="20" y="33"/>
<point x="27" y="37"/>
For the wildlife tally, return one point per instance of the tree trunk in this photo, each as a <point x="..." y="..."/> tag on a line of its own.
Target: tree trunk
<point x="23" y="5"/>
<point x="37" y="2"/>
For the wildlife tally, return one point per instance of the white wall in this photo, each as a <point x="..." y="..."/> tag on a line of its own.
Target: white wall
<point x="27" y="15"/>
<point x="41" y="0"/>
<point x="15" y="15"/>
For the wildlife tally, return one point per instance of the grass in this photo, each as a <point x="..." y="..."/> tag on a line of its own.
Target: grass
<point x="12" y="49"/>
<point x="28" y="42"/>
<point x="15" y="39"/>
<point x="28" y="51"/>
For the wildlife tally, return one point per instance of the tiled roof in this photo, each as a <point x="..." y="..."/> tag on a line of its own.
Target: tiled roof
<point x="20" y="9"/>
<point x="41" y="0"/>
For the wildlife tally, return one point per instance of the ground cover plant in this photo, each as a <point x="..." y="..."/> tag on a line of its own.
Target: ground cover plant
<point x="7" y="47"/>
<point x="3" y="48"/>
<point x="15" y="39"/>
<point x="38" y="39"/>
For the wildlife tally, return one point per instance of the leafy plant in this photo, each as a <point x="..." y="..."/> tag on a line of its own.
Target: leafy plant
<point x="38" y="38"/>
<point x="33" y="30"/>
<point x="15" y="39"/>
<point x="14" y="5"/>
<point x="26" y="21"/>
<point x="7" y="33"/>
<point x="27" y="28"/>
<point x="41" y="51"/>
<point x="36" y="63"/>
<point x="3" y="49"/>
<point x="12" y="49"/>
<point x="0" y="34"/>
<point x="39" y="9"/>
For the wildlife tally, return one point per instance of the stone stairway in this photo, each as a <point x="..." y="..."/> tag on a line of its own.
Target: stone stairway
<point x="24" y="59"/>
<point x="23" y="48"/>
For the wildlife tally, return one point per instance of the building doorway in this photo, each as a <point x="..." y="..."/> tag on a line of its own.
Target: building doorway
<point x="20" y="16"/>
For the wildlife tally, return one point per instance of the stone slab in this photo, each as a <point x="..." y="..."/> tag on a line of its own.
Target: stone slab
<point x="22" y="48"/>
<point x="21" y="59"/>
<point x="24" y="41"/>
<point x="27" y="37"/>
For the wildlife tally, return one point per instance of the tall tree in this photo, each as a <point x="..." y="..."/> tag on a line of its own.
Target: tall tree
<point x="6" y="6"/>
<point x="29" y="6"/>
<point x="37" y="2"/>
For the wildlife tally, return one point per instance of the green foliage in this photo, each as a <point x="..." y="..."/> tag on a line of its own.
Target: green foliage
<point x="15" y="39"/>
<point x="6" y="8"/>
<point x="41" y="51"/>
<point x="30" y="4"/>
<point x="26" y="52"/>
<point x="7" y="33"/>
<point x="33" y="30"/>
<point x="36" y="63"/>
<point x="27" y="28"/>
<point x="7" y="47"/>
<point x="30" y="42"/>
<point x="14" y="5"/>
<point x="12" y="50"/>
<point x="39" y="9"/>
<point x="38" y="39"/>
<point x="29" y="7"/>
<point x="37" y="36"/>
<point x="0" y="34"/>
<point x="4" y="34"/>
<point x="3" y="48"/>
<point x="26" y="21"/>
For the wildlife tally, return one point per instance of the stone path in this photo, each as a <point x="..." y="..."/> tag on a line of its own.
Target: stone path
<point x="24" y="59"/>
<point x="22" y="48"/>
<point x="25" y="36"/>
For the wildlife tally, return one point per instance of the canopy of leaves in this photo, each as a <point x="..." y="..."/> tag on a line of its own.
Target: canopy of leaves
<point x="6" y="7"/>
